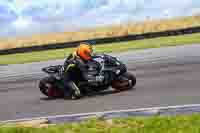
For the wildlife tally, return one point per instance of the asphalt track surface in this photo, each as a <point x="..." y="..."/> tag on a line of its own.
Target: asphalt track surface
<point x="165" y="77"/>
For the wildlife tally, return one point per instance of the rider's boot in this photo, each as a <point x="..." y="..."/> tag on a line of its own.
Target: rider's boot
<point x="73" y="91"/>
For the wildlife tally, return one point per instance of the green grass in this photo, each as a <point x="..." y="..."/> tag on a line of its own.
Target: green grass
<point x="156" y="124"/>
<point x="114" y="47"/>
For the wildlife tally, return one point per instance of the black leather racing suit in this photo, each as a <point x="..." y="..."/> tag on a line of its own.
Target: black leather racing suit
<point x="80" y="72"/>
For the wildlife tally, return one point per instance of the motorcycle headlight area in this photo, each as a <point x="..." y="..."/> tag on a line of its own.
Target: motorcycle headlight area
<point x="118" y="63"/>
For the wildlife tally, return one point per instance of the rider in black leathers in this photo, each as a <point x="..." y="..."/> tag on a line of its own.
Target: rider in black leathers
<point x="78" y="61"/>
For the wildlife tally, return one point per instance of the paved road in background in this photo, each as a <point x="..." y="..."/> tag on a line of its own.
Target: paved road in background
<point x="165" y="77"/>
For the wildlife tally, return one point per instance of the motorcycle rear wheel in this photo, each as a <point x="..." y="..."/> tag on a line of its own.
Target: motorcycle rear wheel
<point x="47" y="88"/>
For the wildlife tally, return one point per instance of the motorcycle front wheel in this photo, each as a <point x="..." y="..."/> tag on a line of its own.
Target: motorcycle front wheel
<point x="125" y="82"/>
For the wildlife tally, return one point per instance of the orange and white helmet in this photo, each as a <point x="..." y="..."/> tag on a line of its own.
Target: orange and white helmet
<point x="85" y="51"/>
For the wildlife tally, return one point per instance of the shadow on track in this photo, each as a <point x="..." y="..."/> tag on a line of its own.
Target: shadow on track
<point x="91" y="94"/>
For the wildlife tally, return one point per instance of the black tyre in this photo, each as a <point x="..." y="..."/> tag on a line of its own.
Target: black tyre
<point x="131" y="77"/>
<point x="47" y="88"/>
<point x="127" y="81"/>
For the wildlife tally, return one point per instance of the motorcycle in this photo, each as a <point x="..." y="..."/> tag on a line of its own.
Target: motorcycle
<point x="111" y="67"/>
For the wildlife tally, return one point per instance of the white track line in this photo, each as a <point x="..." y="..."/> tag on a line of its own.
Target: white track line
<point x="106" y="112"/>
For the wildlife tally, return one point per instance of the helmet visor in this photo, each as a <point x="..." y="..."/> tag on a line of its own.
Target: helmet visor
<point x="89" y="54"/>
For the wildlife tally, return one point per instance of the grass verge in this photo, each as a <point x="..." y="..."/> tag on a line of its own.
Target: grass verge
<point x="113" y="47"/>
<point x="156" y="124"/>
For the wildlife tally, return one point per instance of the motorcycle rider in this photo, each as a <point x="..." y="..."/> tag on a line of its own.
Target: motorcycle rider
<point x="78" y="60"/>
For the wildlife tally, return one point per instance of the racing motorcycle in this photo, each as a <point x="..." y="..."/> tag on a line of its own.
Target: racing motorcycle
<point x="110" y="67"/>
